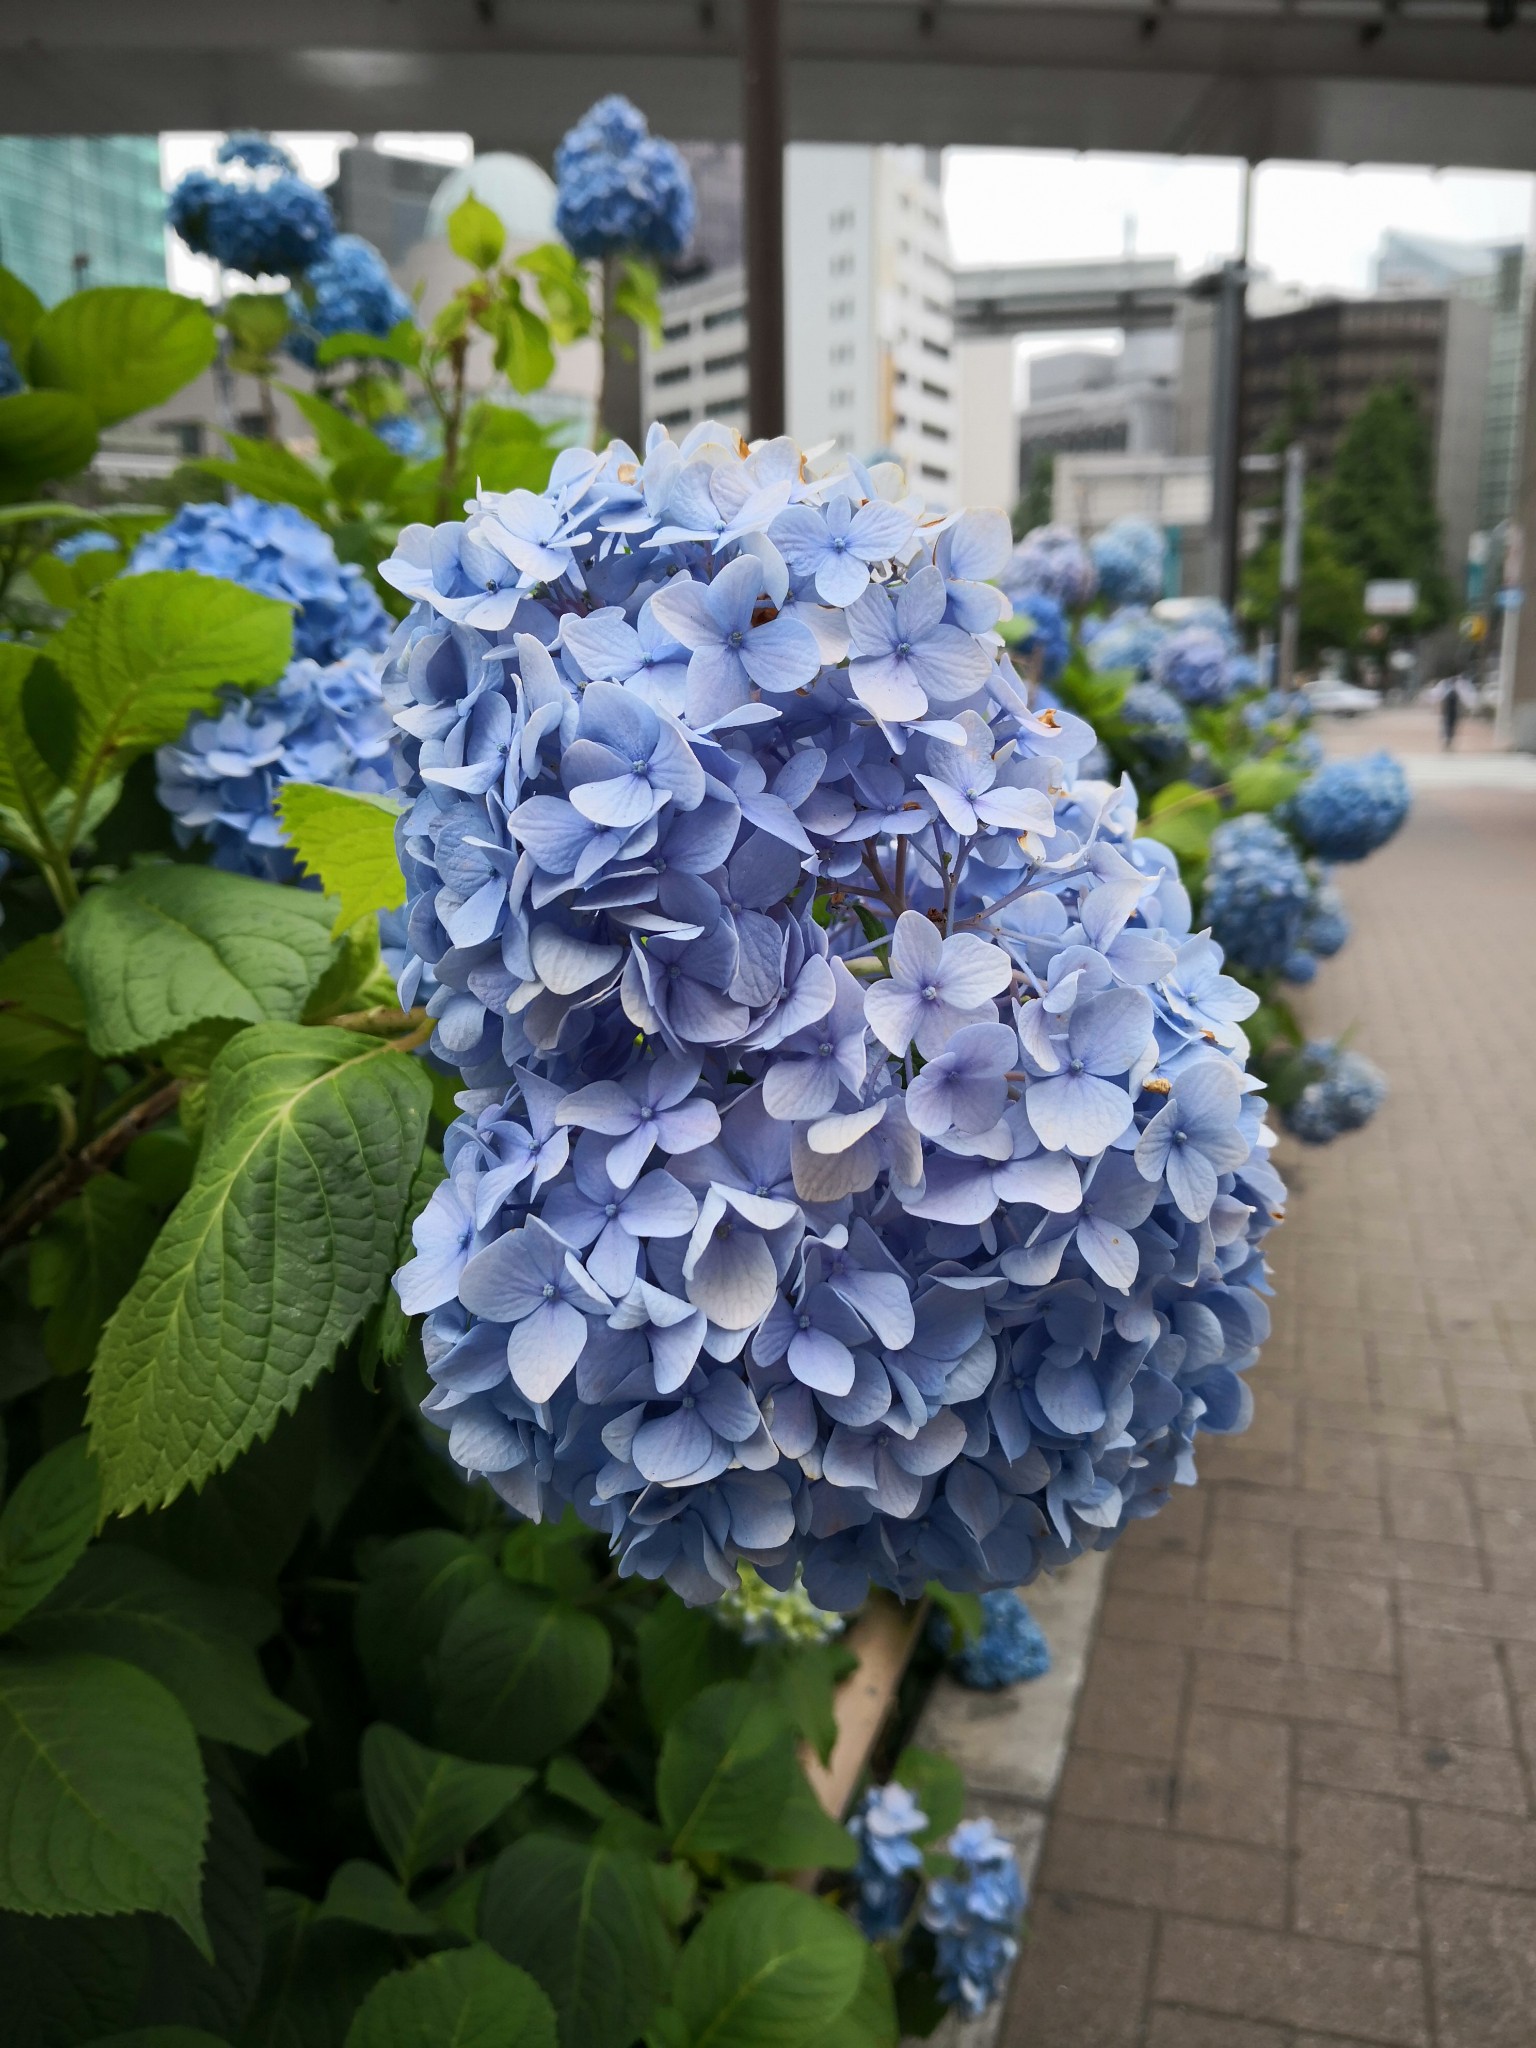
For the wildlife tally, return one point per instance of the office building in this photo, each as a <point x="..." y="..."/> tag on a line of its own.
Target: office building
<point x="871" y="364"/>
<point x="1100" y="401"/>
<point x="383" y="197"/>
<point x="81" y="210"/>
<point x="1309" y="372"/>
<point x="1492" y="274"/>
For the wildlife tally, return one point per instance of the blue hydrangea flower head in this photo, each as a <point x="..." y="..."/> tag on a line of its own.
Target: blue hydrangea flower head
<point x="725" y="809"/>
<point x="1128" y="558"/>
<point x="87" y="540"/>
<point x="1128" y="639"/>
<point x="220" y="780"/>
<point x="1327" y="928"/>
<point x="1194" y="664"/>
<point x="975" y="1916"/>
<point x="1048" y="635"/>
<point x="1345" y="1093"/>
<point x="1050" y="561"/>
<point x="1156" y="721"/>
<point x="402" y="432"/>
<point x="1350" y="808"/>
<point x="347" y="291"/>
<point x="276" y="551"/>
<point x="257" y="152"/>
<point x="11" y="380"/>
<point x="1010" y="1649"/>
<point x="885" y="1825"/>
<point x="1300" y="967"/>
<point x="263" y="222"/>
<point x="619" y="187"/>
<point x="1257" y="892"/>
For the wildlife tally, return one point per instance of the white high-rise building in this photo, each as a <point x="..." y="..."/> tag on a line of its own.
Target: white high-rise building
<point x="871" y="357"/>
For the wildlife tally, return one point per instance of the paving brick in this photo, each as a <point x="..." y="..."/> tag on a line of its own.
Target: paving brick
<point x="1175" y="2026"/>
<point x="1195" y="1625"/>
<point x="1296" y="1509"/>
<point x="1345" y="1622"/>
<point x="1266" y="1685"/>
<point x="1410" y="1767"/>
<point x="1507" y="1616"/>
<point x="1482" y="1949"/>
<point x="1454" y="1843"/>
<point x="1456" y="1692"/>
<point x="1250" y="1564"/>
<point x="1132" y="1699"/>
<point x="1355" y="1870"/>
<point x="1081" y="1982"/>
<point x="1148" y="1867"/>
<point x="1431" y="1564"/>
<point x="1095" y="1786"/>
<point x="1234" y="1778"/>
<point x="1429" y="1507"/>
<point x="1294" y="1980"/>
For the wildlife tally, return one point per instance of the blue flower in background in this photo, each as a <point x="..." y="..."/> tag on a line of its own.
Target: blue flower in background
<point x="1010" y="1648"/>
<point x="90" y="540"/>
<point x="256" y="151"/>
<point x="403" y="433"/>
<point x="1128" y="639"/>
<point x="1048" y="636"/>
<point x="1349" y="808"/>
<point x="974" y="1917"/>
<point x="1128" y="557"/>
<point x="885" y="1825"/>
<point x="619" y="187"/>
<point x="10" y="377"/>
<point x="1194" y="664"/>
<point x="1327" y="927"/>
<point x="1050" y="561"/>
<point x="347" y="291"/>
<point x="1300" y="967"/>
<point x="1155" y="719"/>
<point x="220" y="780"/>
<point x="276" y="551"/>
<point x="275" y="228"/>
<point x="1257" y="892"/>
<point x="1345" y="1094"/>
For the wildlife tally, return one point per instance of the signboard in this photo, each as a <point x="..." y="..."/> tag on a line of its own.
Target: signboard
<point x="1390" y="599"/>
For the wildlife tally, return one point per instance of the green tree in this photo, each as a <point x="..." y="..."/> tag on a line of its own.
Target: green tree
<point x="1332" y="589"/>
<point x="1379" y="501"/>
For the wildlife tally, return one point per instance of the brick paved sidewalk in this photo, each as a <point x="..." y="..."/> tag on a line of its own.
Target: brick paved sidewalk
<point x="1298" y="1807"/>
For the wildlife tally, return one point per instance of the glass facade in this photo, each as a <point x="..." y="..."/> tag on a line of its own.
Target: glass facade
<point x="81" y="209"/>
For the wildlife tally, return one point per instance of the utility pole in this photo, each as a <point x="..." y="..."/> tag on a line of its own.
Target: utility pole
<point x="1293" y="504"/>
<point x="1229" y="288"/>
<point x="762" y="128"/>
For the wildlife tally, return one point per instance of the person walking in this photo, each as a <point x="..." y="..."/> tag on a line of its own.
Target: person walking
<point x="1448" y="694"/>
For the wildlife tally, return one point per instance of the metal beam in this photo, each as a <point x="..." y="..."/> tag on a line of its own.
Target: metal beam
<point x="1023" y="298"/>
<point x="1336" y="80"/>
<point x="762" y="120"/>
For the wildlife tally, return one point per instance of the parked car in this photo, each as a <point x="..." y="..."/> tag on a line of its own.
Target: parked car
<point x="1344" y="700"/>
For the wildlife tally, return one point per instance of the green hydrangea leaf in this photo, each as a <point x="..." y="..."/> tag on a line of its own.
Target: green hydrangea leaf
<point x="727" y="1769"/>
<point x="348" y="841"/>
<point x="146" y="651"/>
<point x="423" y="1805"/>
<point x="279" y="1248"/>
<point x="120" y="1602"/>
<point x="43" y="434"/>
<point x="102" y="1788"/>
<point x="165" y="948"/>
<point x="518" y="1674"/>
<point x="767" y="1967"/>
<point x="467" y="1997"/>
<point x="121" y="347"/>
<point x="586" y="1924"/>
<point x="44" y="1526"/>
<point x="475" y="234"/>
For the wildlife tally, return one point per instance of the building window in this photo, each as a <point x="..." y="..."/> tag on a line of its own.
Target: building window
<point x="679" y="375"/>
<point x="843" y="218"/>
<point x="938" y="476"/>
<point x="842" y="266"/>
<point x="723" y="317"/>
<point x="933" y="390"/>
<point x="678" y="331"/>
<point x="677" y="419"/>
<point x="732" y="362"/>
<point x="935" y="348"/>
<point x="841" y="397"/>
<point x="842" y="353"/>
<point x="933" y="306"/>
<point x="932" y="432"/>
<point x="841" y="309"/>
